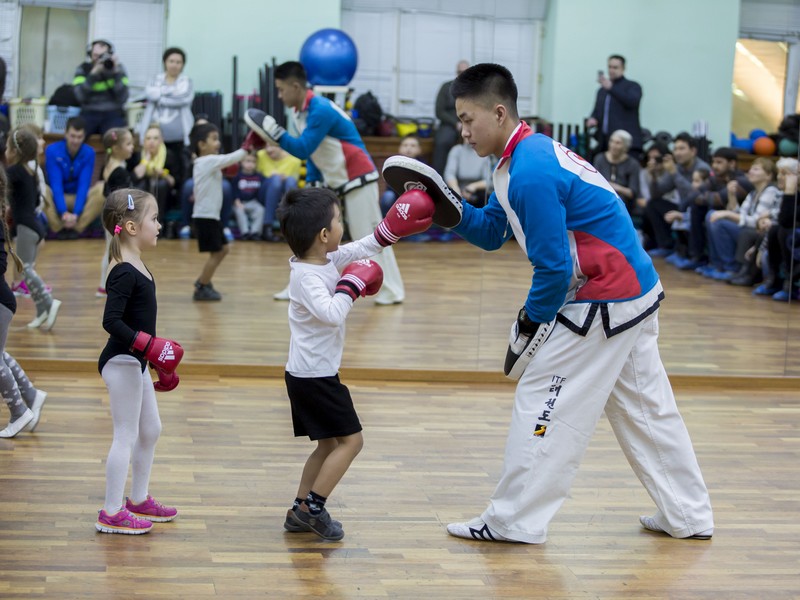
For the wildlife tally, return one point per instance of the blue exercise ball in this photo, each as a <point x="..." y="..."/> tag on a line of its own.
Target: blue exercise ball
<point x="329" y="57"/>
<point x="757" y="133"/>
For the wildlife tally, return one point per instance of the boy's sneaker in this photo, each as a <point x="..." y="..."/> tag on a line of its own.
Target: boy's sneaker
<point x="185" y="232"/>
<point x="293" y="526"/>
<point x="21" y="290"/>
<point x="152" y="510"/>
<point x="206" y="293"/>
<point x="321" y="524"/>
<point x="122" y="522"/>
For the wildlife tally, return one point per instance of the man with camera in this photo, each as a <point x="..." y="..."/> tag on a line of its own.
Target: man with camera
<point x="617" y="106"/>
<point x="101" y="86"/>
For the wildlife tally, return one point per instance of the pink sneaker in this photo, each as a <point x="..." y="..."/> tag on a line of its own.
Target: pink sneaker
<point x="100" y="293"/>
<point x="122" y="522"/>
<point x="152" y="510"/>
<point x="21" y="290"/>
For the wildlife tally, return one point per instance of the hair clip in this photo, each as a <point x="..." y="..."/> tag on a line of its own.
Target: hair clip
<point x="117" y="228"/>
<point x="130" y="203"/>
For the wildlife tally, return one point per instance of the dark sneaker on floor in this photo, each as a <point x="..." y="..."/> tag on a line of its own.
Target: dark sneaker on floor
<point x="293" y="526"/>
<point x="321" y="524"/>
<point x="206" y="293"/>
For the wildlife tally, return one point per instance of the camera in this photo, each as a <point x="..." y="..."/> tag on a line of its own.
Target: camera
<point x="108" y="62"/>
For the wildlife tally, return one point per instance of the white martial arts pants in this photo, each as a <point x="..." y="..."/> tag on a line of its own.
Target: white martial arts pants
<point x="363" y="213"/>
<point x="558" y="402"/>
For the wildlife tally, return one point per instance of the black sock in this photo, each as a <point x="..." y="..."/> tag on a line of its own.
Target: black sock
<point x="297" y="502"/>
<point x="315" y="503"/>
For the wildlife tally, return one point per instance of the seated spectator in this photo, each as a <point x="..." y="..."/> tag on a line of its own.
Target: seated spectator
<point x="101" y="87"/>
<point x="468" y="174"/>
<point x="282" y="172"/>
<point x="409" y="146"/>
<point x="153" y="174"/>
<point x="169" y="103"/>
<point x="713" y="195"/>
<point x="75" y="203"/>
<point x="678" y="169"/>
<point x="655" y="188"/>
<point x="733" y="230"/>
<point x="782" y="267"/>
<point x="681" y="220"/>
<point x="620" y="169"/>
<point x="248" y="202"/>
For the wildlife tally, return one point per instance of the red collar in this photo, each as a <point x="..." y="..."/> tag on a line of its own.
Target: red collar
<point x="520" y="132"/>
<point x="309" y="96"/>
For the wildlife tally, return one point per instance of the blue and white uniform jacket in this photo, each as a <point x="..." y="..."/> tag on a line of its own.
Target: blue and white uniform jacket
<point x="331" y="144"/>
<point x="574" y="229"/>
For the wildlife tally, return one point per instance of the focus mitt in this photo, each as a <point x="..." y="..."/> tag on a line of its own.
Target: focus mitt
<point x="402" y="174"/>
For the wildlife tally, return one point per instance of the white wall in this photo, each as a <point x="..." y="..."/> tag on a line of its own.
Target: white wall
<point x="212" y="32"/>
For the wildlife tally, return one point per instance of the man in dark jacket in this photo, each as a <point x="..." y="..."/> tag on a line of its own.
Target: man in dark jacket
<point x="448" y="132"/>
<point x="617" y="106"/>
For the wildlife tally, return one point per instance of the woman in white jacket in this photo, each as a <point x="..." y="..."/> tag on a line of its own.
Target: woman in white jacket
<point x="169" y="103"/>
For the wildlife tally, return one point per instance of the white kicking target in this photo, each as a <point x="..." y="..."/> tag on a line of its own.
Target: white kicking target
<point x="402" y="174"/>
<point x="522" y="347"/>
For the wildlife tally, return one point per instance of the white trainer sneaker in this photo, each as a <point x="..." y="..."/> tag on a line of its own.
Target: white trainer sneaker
<point x="36" y="409"/>
<point x="475" y="529"/>
<point x="52" y="314"/>
<point x="650" y="524"/>
<point x="282" y="295"/>
<point x="14" y="428"/>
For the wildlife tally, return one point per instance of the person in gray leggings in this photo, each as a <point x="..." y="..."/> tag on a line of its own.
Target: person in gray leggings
<point x="23" y="195"/>
<point x="24" y="401"/>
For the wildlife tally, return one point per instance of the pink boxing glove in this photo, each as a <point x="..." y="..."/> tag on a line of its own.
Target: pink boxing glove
<point x="166" y="381"/>
<point x="360" y="278"/>
<point x="411" y="213"/>
<point x="164" y="354"/>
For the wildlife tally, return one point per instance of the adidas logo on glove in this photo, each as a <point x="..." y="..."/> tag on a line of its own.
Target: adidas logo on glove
<point x="402" y="209"/>
<point x="167" y="353"/>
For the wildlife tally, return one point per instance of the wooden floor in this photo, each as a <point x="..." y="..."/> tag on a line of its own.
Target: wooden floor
<point x="433" y="452"/>
<point x="459" y="306"/>
<point x="432" y="455"/>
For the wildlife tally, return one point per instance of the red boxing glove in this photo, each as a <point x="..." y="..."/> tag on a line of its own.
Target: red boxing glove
<point x="166" y="381"/>
<point x="164" y="354"/>
<point x="360" y="278"/>
<point x="411" y="213"/>
<point x="253" y="141"/>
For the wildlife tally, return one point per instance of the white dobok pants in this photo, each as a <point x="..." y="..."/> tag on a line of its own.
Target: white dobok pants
<point x="559" y="399"/>
<point x="363" y="213"/>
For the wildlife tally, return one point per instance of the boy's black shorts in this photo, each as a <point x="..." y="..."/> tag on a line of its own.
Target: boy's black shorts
<point x="210" y="235"/>
<point x="321" y="407"/>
